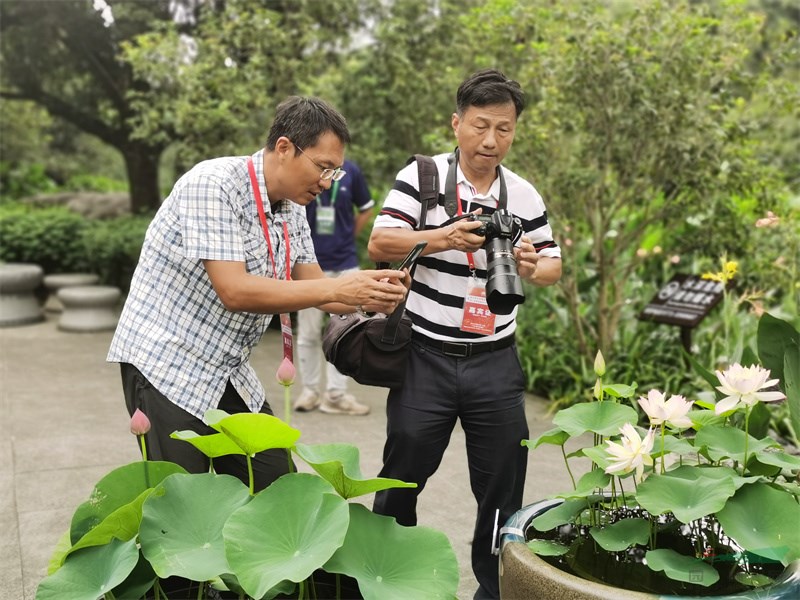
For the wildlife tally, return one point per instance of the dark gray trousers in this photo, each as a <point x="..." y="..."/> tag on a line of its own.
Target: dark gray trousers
<point x="485" y="391"/>
<point x="166" y="417"/>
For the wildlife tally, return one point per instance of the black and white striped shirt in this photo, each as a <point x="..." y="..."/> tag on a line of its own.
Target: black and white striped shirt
<point x="436" y="300"/>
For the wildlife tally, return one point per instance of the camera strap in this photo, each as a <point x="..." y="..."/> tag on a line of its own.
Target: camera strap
<point x="451" y="182"/>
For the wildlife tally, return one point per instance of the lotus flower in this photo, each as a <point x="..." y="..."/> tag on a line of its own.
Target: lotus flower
<point x="631" y="453"/>
<point x="743" y="385"/>
<point x="661" y="411"/>
<point x="140" y="424"/>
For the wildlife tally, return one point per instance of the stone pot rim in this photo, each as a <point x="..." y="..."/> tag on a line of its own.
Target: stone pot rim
<point x="512" y="535"/>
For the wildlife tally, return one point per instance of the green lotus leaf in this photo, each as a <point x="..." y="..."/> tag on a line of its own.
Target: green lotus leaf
<point x="59" y="553"/>
<point x="547" y="548"/>
<point x="90" y="573"/>
<point x="559" y="515"/>
<point x="339" y="465"/>
<point x="598" y="455"/>
<point x="122" y="524"/>
<point x="287" y="532"/>
<point x="137" y="584"/>
<point x="213" y="445"/>
<point x="675" y="445"/>
<point x="603" y="418"/>
<point x="182" y="521"/>
<point x="556" y="437"/>
<point x="753" y="579"/>
<point x="588" y="484"/>
<point x="779" y="459"/>
<point x="791" y="385"/>
<point x="622" y="534"/>
<point x="687" y="492"/>
<point x="390" y="561"/>
<point x="704" y="418"/>
<point x="213" y="416"/>
<point x="728" y="442"/>
<point x="256" y="432"/>
<point x="116" y="489"/>
<point x="760" y="518"/>
<point x="682" y="568"/>
<point x="619" y="390"/>
<point x="775" y="338"/>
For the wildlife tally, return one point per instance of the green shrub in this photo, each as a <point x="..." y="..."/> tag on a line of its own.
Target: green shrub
<point x="50" y="237"/>
<point x="112" y="248"/>
<point x="61" y="241"/>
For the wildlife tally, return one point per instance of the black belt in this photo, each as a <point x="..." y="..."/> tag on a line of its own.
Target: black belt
<point x="462" y="349"/>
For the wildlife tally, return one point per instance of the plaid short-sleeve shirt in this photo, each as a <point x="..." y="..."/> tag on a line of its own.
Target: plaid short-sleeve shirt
<point x="174" y="328"/>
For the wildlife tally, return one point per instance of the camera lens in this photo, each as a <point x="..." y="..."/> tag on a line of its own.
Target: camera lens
<point x="503" y="287"/>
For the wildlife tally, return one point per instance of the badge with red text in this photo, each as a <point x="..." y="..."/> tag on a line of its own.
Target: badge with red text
<point x="477" y="317"/>
<point x="286" y="334"/>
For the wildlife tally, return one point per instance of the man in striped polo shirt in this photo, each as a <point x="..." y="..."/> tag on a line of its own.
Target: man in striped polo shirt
<point x="463" y="363"/>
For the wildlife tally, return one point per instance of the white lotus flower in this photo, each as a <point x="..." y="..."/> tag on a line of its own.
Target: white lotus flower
<point x="743" y="385"/>
<point x="672" y="411"/>
<point x="632" y="452"/>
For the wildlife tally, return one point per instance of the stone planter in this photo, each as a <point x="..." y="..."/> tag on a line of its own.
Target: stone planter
<point x="525" y="576"/>
<point x="18" y="304"/>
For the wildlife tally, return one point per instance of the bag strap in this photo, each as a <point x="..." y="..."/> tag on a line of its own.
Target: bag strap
<point x="428" y="174"/>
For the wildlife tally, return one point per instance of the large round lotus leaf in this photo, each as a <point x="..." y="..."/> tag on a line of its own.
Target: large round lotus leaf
<point x="728" y="443"/>
<point x="764" y="521"/>
<point x="118" y="488"/>
<point x="90" y="573"/>
<point x="339" y="465"/>
<point x="213" y="445"/>
<point x="681" y="567"/>
<point x="182" y="520"/>
<point x="287" y="532"/>
<point x="622" y="534"/>
<point x="256" y="432"/>
<point x="390" y="561"/>
<point x="603" y="418"/>
<point x="688" y="492"/>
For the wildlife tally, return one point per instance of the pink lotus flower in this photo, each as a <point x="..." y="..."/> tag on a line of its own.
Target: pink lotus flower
<point x="286" y="372"/>
<point x="140" y="424"/>
<point x="743" y="385"/>
<point x="672" y="411"/>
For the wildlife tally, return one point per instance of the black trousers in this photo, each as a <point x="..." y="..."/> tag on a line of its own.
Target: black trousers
<point x="166" y="417"/>
<point x="485" y="391"/>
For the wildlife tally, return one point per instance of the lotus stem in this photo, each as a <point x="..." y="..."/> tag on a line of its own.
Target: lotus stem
<point x="250" y="474"/>
<point x="663" y="455"/>
<point x="569" y="471"/>
<point x="746" y="437"/>
<point x="287" y="405"/>
<point x="143" y="445"/>
<point x="200" y="589"/>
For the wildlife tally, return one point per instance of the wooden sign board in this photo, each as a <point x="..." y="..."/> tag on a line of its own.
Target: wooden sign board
<point x="683" y="301"/>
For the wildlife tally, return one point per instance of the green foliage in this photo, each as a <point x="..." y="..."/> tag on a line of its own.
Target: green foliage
<point x="49" y="237"/>
<point x="209" y="528"/>
<point x="62" y="241"/>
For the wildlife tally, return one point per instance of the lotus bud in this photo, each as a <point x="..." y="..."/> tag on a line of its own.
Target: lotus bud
<point x="599" y="364"/>
<point x="286" y="372"/>
<point x="140" y="424"/>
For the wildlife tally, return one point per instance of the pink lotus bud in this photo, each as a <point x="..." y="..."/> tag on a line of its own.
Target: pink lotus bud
<point x="769" y="221"/>
<point x="140" y="424"/>
<point x="674" y="259"/>
<point x="286" y="372"/>
<point x="641" y="252"/>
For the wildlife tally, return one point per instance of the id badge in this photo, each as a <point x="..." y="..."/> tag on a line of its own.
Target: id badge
<point x="477" y="317"/>
<point x="286" y="335"/>
<point x="326" y="220"/>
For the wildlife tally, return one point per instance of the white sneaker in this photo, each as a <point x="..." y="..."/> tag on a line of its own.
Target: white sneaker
<point x="342" y="404"/>
<point x="308" y="401"/>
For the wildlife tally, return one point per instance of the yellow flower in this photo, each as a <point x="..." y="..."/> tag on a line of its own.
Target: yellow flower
<point x="729" y="269"/>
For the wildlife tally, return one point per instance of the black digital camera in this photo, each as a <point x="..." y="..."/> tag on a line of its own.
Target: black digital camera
<point x="503" y="286"/>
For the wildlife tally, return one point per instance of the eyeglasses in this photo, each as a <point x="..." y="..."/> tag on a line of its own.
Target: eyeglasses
<point x="327" y="173"/>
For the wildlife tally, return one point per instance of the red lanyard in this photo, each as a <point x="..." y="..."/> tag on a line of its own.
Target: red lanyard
<point x="264" y="226"/>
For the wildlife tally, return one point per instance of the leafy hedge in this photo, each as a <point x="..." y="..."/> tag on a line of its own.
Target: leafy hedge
<point x="61" y="241"/>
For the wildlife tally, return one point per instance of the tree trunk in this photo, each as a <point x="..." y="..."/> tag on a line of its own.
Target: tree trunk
<point x="141" y="163"/>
